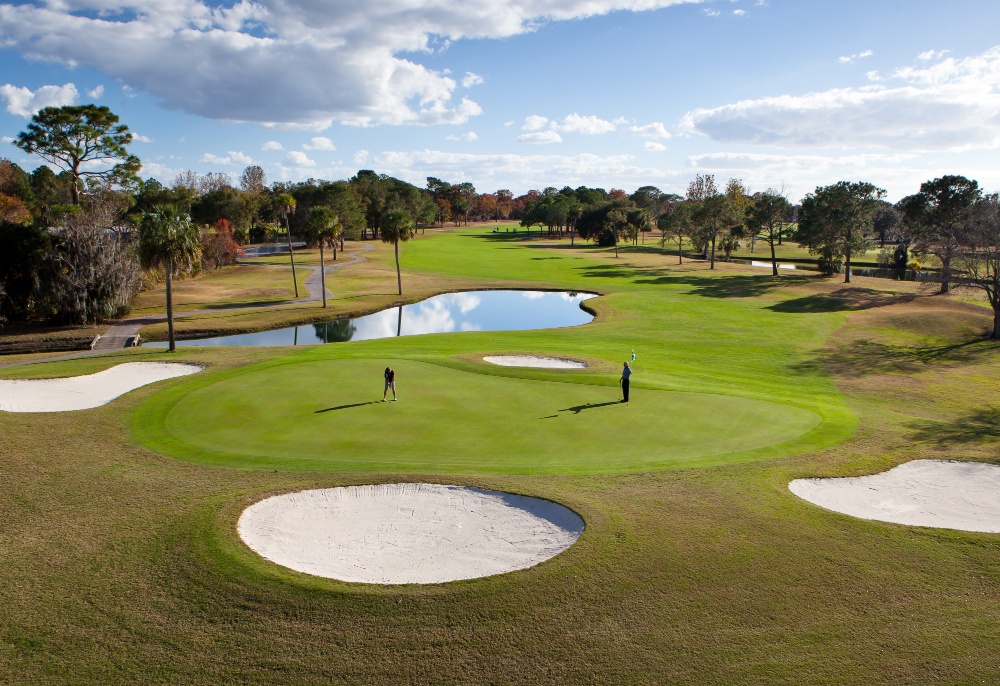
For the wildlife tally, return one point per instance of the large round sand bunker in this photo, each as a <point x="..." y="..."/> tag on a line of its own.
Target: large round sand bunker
<point x="72" y="393"/>
<point x="935" y="493"/>
<point x="407" y="533"/>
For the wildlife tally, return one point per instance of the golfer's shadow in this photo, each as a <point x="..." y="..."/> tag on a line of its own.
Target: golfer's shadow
<point x="577" y="409"/>
<point x="347" y="407"/>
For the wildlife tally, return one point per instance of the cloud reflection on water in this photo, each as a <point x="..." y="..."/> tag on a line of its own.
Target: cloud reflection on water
<point x="447" y="313"/>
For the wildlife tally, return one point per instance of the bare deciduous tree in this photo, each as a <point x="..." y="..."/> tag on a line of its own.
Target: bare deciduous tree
<point x="95" y="268"/>
<point x="979" y="257"/>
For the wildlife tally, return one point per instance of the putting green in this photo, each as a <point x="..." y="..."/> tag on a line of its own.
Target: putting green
<point x="327" y="415"/>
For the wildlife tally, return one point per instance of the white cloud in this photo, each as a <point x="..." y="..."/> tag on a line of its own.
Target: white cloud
<point x="653" y="146"/>
<point x="901" y="174"/>
<point x="23" y="102"/>
<point x="232" y="158"/>
<point x="851" y="59"/>
<point x="739" y="13"/>
<point x="319" y="143"/>
<point x="141" y="139"/>
<point x="654" y="130"/>
<point x="300" y="159"/>
<point x="471" y="80"/>
<point x="96" y="93"/>
<point x="540" y="137"/>
<point x="6" y="139"/>
<point x="361" y="156"/>
<point x="365" y="54"/>
<point x="591" y="125"/>
<point x="928" y="55"/>
<point x="508" y="124"/>
<point x="712" y="13"/>
<point x="469" y="136"/>
<point x="156" y="170"/>
<point x="534" y="122"/>
<point x="489" y="171"/>
<point x="272" y="145"/>
<point x="950" y="105"/>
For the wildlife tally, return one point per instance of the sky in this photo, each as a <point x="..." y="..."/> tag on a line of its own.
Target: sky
<point x="784" y="94"/>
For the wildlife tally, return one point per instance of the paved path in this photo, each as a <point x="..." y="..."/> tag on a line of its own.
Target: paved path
<point x="121" y="332"/>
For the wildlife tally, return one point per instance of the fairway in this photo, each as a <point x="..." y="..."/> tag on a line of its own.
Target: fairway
<point x="328" y="415"/>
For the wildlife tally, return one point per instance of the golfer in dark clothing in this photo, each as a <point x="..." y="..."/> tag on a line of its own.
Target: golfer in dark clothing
<point x="626" y="373"/>
<point x="390" y="382"/>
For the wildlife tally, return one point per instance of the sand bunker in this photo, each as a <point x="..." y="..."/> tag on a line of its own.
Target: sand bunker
<point x="407" y="533"/>
<point x="84" y="392"/>
<point x="534" y="361"/>
<point x="937" y="493"/>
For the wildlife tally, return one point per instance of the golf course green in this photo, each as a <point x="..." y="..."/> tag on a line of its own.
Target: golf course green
<point x="328" y="415"/>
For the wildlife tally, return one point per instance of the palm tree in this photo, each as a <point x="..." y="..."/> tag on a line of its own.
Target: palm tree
<point x="167" y="239"/>
<point x="397" y="226"/>
<point x="284" y="205"/>
<point x="322" y="226"/>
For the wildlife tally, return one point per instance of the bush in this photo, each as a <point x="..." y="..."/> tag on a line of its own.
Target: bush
<point x="831" y="264"/>
<point x="219" y="246"/>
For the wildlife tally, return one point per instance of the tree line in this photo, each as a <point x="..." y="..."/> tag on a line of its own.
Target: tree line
<point x="72" y="243"/>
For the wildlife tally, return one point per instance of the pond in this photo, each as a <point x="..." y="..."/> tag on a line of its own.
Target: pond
<point x="450" y="312"/>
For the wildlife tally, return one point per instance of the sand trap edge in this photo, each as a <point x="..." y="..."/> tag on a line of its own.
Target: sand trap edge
<point x="941" y="494"/>
<point x="87" y="391"/>
<point x="534" y="362"/>
<point x="456" y="533"/>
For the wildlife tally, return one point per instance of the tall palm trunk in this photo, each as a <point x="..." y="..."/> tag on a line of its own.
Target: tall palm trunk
<point x="712" y="256"/>
<point x="399" y="278"/>
<point x="291" y="256"/>
<point x="170" y="307"/>
<point x="774" y="260"/>
<point x="322" y="271"/>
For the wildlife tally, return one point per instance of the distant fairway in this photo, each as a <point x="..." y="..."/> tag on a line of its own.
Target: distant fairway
<point x="328" y="415"/>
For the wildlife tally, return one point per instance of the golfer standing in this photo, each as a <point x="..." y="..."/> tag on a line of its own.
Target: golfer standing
<point x="626" y="373"/>
<point x="390" y="382"/>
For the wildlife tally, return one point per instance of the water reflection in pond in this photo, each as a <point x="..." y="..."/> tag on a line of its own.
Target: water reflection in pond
<point x="471" y="311"/>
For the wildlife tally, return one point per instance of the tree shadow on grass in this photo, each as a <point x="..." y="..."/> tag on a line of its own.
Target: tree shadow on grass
<point x="979" y="425"/>
<point x="860" y="358"/>
<point x="346" y="407"/>
<point x="845" y="299"/>
<point x="729" y="286"/>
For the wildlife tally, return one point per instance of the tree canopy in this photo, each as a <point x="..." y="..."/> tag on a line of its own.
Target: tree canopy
<point x="837" y="222"/>
<point x="71" y="136"/>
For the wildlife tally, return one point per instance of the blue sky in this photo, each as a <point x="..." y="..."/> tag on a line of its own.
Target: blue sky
<point x="611" y="93"/>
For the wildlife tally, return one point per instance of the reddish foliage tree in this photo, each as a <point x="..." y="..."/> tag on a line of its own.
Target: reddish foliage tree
<point x="13" y="211"/>
<point x="218" y="245"/>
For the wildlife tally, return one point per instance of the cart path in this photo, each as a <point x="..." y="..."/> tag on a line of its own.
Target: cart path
<point x="119" y="333"/>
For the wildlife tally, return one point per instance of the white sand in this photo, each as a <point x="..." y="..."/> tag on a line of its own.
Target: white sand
<point x="534" y="361"/>
<point x="755" y="263"/>
<point x="407" y="533"/>
<point x="937" y="493"/>
<point x="84" y="392"/>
